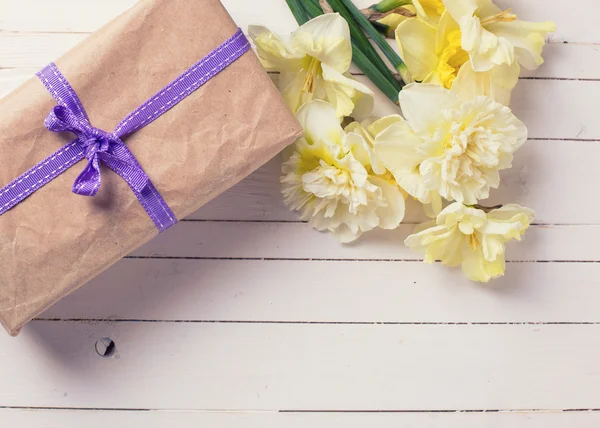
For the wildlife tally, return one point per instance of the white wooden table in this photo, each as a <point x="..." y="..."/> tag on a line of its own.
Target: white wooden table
<point x="242" y="317"/>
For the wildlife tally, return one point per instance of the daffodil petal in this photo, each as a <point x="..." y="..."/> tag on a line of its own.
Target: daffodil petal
<point x="327" y="38"/>
<point x="460" y="8"/>
<point x="395" y="19"/>
<point x="496" y="83"/>
<point x="378" y="126"/>
<point x="422" y="105"/>
<point x="510" y="221"/>
<point x="528" y="39"/>
<point x="273" y="52"/>
<point x="291" y="87"/>
<point x="347" y="95"/>
<point x="396" y="147"/>
<point x="391" y="215"/>
<point x="416" y="42"/>
<point x="475" y="267"/>
<point x="319" y="121"/>
<point x="437" y="243"/>
<point x="429" y="10"/>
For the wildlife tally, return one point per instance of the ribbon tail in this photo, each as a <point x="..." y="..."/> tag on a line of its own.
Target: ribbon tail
<point x="128" y="169"/>
<point x="89" y="180"/>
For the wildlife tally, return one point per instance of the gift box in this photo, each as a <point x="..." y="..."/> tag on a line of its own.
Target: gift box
<point x="194" y="136"/>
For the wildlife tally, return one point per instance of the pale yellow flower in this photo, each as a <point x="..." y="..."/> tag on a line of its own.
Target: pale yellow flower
<point x="471" y="238"/>
<point x="330" y="178"/>
<point x="493" y="36"/>
<point x="395" y="19"/>
<point x="313" y="63"/>
<point x="429" y="10"/>
<point x="448" y="146"/>
<point x="433" y="54"/>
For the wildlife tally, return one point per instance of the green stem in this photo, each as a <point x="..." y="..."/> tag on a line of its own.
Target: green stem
<point x="383" y="84"/>
<point x="386" y="5"/>
<point x="298" y="11"/>
<point x="384" y="29"/>
<point x="379" y="40"/>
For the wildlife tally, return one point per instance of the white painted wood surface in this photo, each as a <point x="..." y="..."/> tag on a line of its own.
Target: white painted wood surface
<point x="243" y="317"/>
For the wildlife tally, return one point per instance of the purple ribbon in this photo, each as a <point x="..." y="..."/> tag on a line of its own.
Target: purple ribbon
<point x="100" y="147"/>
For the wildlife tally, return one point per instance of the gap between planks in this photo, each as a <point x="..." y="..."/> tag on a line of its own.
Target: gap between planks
<point x="317" y="259"/>
<point x="160" y="321"/>
<point x="414" y="223"/>
<point x="119" y="409"/>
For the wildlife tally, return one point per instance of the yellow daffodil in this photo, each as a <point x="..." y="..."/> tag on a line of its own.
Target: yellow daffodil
<point x="471" y="238"/>
<point x="313" y="63"/>
<point x="433" y="54"/>
<point x="429" y="10"/>
<point x="362" y="148"/>
<point x="334" y="180"/>
<point x="449" y="146"/>
<point x="394" y="19"/>
<point x="492" y="36"/>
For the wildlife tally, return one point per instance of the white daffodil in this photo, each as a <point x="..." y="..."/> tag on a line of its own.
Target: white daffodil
<point x="433" y="54"/>
<point x="493" y="37"/>
<point x="471" y="238"/>
<point x="448" y="146"/>
<point x="313" y="63"/>
<point x="332" y="178"/>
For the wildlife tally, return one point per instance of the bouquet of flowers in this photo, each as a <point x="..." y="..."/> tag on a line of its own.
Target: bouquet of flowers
<point x="452" y="75"/>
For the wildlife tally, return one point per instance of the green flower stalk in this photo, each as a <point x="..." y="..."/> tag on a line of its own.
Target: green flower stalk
<point x="297" y="10"/>
<point x="387" y="50"/>
<point x="385" y="6"/>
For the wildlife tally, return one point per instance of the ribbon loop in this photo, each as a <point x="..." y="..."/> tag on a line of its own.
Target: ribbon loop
<point x="62" y="119"/>
<point x="100" y="147"/>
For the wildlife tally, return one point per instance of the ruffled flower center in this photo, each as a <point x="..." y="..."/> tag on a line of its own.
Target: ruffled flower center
<point x="467" y="148"/>
<point x="329" y="182"/>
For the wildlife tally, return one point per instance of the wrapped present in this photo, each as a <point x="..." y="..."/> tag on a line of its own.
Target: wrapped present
<point x="140" y="125"/>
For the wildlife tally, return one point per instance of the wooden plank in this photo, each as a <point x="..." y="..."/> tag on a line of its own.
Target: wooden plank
<point x="162" y="419"/>
<point x="562" y="62"/>
<point x="551" y="109"/>
<point x="31" y="15"/>
<point x="28" y="52"/>
<point x="556" y="109"/>
<point x="303" y="367"/>
<point x="326" y="292"/>
<point x="300" y="241"/>
<point x="539" y="169"/>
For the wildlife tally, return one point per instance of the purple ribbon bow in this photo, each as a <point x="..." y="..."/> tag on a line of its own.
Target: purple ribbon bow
<point x="100" y="147"/>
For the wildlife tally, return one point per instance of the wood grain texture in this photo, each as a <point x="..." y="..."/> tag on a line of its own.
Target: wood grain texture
<point x="325" y="292"/>
<point x="539" y="169"/>
<point x="178" y="419"/>
<point x="76" y="16"/>
<point x="304" y="367"/>
<point x="297" y="241"/>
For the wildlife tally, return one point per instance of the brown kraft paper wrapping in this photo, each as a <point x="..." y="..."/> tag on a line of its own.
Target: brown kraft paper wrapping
<point x="55" y="241"/>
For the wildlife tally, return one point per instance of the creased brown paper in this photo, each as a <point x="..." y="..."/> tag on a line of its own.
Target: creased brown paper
<point x="55" y="241"/>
